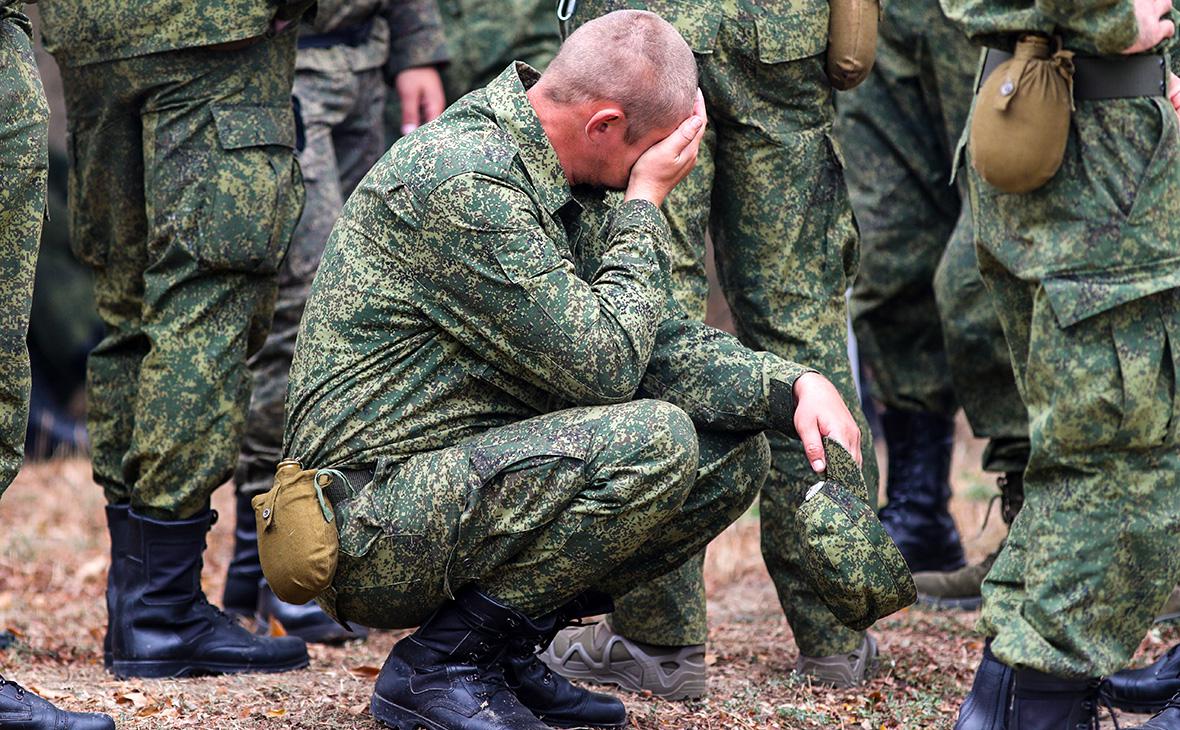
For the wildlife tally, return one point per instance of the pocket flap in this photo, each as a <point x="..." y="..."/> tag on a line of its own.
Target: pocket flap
<point x="789" y="37"/>
<point x="697" y="22"/>
<point x="254" y="126"/>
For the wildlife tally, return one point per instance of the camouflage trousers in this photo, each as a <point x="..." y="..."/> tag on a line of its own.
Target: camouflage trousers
<point x="924" y="322"/>
<point x="184" y="192"/>
<point x="342" y="128"/>
<point x="769" y="187"/>
<point x="24" y="162"/>
<point x="1083" y="272"/>
<point x="484" y="36"/>
<point x="536" y="512"/>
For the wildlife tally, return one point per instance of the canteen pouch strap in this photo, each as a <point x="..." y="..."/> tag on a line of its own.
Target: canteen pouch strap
<point x="1020" y="123"/>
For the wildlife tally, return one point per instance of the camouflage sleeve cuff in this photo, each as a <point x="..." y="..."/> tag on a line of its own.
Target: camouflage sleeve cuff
<point x="779" y="378"/>
<point x="415" y="37"/>
<point x="641" y="215"/>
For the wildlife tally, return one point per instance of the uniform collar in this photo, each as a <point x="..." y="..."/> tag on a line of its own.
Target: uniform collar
<point x="516" y="116"/>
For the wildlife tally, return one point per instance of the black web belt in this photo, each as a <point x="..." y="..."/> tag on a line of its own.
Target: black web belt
<point x="356" y="477"/>
<point x="1104" y="77"/>
<point x="352" y="36"/>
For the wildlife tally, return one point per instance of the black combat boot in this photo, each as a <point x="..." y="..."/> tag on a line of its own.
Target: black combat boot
<point x="449" y="675"/>
<point x="1148" y="689"/>
<point x="162" y="624"/>
<point x="248" y="595"/>
<point x="119" y="528"/>
<point x="1044" y="702"/>
<point x="241" y="594"/>
<point x="550" y="696"/>
<point x="986" y="707"/>
<point x="918" y="490"/>
<point x="20" y="709"/>
<point x="1168" y="718"/>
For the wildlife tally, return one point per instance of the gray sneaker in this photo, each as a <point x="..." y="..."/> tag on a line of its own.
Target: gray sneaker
<point x="840" y="670"/>
<point x="595" y="653"/>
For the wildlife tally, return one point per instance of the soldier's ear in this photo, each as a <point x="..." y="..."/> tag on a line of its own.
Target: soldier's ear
<point x="607" y="125"/>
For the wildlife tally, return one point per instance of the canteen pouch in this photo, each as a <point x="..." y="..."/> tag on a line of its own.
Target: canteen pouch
<point x="297" y="539"/>
<point x="1020" y="124"/>
<point x="850" y="560"/>
<point x="852" y="41"/>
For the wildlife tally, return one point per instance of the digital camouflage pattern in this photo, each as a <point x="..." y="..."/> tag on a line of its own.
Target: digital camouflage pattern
<point x="184" y="193"/>
<point x="483" y="36"/>
<point x="417" y="26"/>
<point x="341" y="99"/>
<point x="1084" y="275"/>
<point x="769" y="187"/>
<point x="404" y="33"/>
<point x="850" y="560"/>
<point x="599" y="497"/>
<point x="24" y="163"/>
<point x="80" y="32"/>
<point x="1089" y="27"/>
<point x="924" y="322"/>
<point x="474" y="317"/>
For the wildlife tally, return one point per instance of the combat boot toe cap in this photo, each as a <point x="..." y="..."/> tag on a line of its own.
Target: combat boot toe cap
<point x="1147" y="689"/>
<point x="23" y="710"/>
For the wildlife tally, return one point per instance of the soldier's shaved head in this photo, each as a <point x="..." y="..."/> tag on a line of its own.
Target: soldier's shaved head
<point x="632" y="58"/>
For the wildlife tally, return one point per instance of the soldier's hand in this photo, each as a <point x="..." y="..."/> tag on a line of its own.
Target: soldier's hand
<point x="669" y="161"/>
<point x="819" y="412"/>
<point x="1153" y="26"/>
<point x="420" y="90"/>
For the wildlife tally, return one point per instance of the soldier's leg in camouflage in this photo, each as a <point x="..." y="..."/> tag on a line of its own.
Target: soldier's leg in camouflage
<point x="785" y="257"/>
<point x="981" y="368"/>
<point x="601" y="653"/>
<point x="185" y="284"/>
<point x="542" y="511"/>
<point x="898" y="153"/>
<point x="341" y="114"/>
<point x="1048" y="613"/>
<point x="24" y="117"/>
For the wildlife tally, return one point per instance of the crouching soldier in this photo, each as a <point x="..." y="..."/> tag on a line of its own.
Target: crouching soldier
<point x="501" y="409"/>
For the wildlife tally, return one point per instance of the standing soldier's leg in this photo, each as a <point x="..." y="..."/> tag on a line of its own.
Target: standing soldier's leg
<point x="785" y="258"/>
<point x="341" y="116"/>
<point x="185" y="250"/>
<point x="24" y="160"/>
<point x="899" y="152"/>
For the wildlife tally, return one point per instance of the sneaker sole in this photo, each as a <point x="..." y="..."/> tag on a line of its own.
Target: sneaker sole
<point x="397" y="717"/>
<point x="173" y="669"/>
<point x="971" y="603"/>
<point x="688" y="688"/>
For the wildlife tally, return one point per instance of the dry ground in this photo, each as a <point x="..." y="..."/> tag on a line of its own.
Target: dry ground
<point x="53" y="560"/>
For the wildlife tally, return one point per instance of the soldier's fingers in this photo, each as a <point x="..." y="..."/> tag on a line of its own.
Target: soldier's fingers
<point x="698" y="109"/>
<point x="688" y="131"/>
<point x="1167" y="30"/>
<point x="1163" y="7"/>
<point x="434" y="103"/>
<point x="411" y="112"/>
<point x="813" y="445"/>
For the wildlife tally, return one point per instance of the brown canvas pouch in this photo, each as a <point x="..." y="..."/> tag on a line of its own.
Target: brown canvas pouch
<point x="1020" y="124"/>
<point x="852" y="41"/>
<point x="297" y="539"/>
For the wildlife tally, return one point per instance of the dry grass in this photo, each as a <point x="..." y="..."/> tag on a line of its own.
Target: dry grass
<point x="53" y="559"/>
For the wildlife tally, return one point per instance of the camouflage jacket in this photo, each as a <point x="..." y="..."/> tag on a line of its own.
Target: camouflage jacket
<point x="80" y="32"/>
<point x="1103" y="27"/>
<point x="405" y="33"/>
<point x="467" y="286"/>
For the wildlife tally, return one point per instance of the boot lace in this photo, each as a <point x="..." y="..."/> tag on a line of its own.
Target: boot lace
<point x="1092" y="707"/>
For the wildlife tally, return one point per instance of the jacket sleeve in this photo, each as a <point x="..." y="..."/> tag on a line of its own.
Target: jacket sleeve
<point x="718" y="381"/>
<point x="497" y="282"/>
<point x="1109" y="24"/>
<point x="415" y="36"/>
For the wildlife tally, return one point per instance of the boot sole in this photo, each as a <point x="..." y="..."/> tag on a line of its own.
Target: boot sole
<point x="554" y="722"/>
<point x="971" y="603"/>
<point x="397" y="717"/>
<point x="173" y="669"/>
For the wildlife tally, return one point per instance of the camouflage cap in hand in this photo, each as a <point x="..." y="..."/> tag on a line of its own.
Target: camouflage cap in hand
<point x="850" y="560"/>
